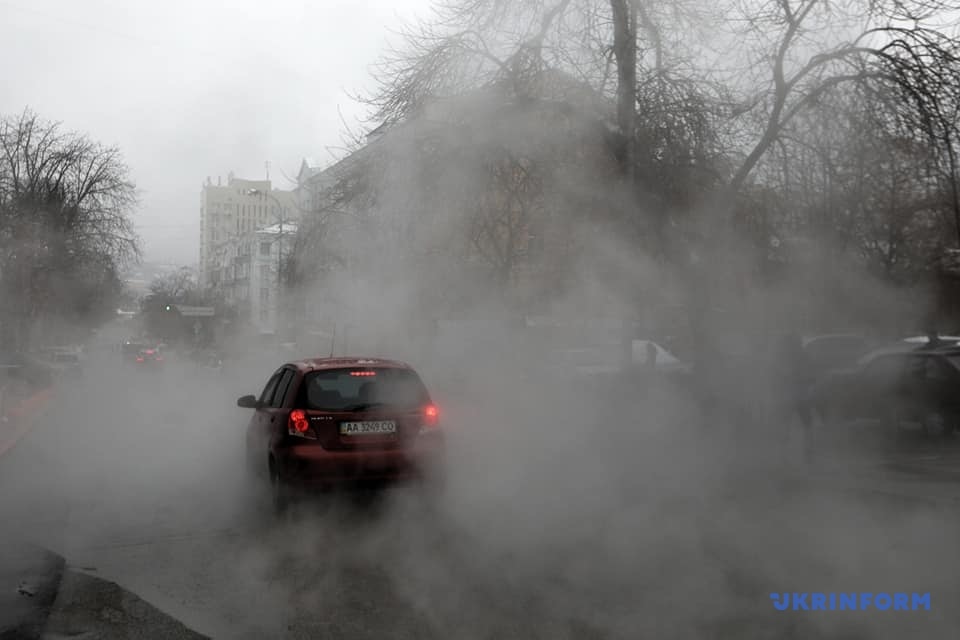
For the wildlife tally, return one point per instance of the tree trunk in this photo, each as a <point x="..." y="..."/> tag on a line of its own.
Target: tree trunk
<point x="954" y="192"/>
<point x="625" y="52"/>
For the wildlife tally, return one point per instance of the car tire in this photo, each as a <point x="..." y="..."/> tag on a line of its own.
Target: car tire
<point x="281" y="495"/>
<point x="255" y="495"/>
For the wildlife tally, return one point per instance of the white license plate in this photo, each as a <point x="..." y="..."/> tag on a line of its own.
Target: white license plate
<point x="368" y="427"/>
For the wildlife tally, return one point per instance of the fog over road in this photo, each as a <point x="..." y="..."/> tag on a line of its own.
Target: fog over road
<point x="618" y="241"/>
<point x="136" y="477"/>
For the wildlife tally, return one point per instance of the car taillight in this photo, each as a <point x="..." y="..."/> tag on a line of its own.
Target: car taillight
<point x="159" y="358"/>
<point x="431" y="416"/>
<point x="139" y="359"/>
<point x="299" y="425"/>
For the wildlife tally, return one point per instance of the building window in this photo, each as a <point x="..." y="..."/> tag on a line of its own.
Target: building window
<point x="264" y="295"/>
<point x="264" y="248"/>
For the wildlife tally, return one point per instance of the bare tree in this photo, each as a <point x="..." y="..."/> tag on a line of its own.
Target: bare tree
<point x="815" y="45"/>
<point x="64" y="216"/>
<point x="502" y="216"/>
<point x="625" y="52"/>
<point x="177" y="286"/>
<point x="666" y="100"/>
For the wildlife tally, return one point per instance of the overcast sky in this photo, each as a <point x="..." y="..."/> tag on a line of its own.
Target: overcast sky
<point x="196" y="88"/>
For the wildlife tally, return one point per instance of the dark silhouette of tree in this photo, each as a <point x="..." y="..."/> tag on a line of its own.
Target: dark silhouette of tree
<point x="809" y="47"/>
<point x="65" y="230"/>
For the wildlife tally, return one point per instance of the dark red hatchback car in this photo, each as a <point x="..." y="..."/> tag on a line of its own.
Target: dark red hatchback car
<point x="324" y="421"/>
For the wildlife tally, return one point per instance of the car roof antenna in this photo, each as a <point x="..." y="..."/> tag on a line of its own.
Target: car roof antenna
<point x="333" y="338"/>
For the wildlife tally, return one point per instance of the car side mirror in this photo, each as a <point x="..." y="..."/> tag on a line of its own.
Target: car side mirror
<point x="248" y="402"/>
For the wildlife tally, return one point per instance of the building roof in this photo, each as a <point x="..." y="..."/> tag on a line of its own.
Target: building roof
<point x="309" y="167"/>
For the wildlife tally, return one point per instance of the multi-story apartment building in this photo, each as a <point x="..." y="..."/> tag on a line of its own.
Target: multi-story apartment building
<point x="230" y="211"/>
<point x="250" y="265"/>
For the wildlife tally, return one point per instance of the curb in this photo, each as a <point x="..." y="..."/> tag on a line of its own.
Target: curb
<point x="22" y="417"/>
<point x="37" y="574"/>
<point x="91" y="607"/>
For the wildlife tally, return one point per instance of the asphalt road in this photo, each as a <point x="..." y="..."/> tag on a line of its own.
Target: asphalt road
<point x="561" y="523"/>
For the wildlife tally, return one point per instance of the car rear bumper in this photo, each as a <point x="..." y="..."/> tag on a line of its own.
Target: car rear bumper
<point x="309" y="464"/>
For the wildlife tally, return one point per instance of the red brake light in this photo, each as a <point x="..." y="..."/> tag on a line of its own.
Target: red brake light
<point x="139" y="359"/>
<point x="363" y="373"/>
<point x="431" y="415"/>
<point x="298" y="424"/>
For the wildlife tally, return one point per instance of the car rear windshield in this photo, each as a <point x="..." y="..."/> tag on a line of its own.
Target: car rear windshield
<point x="357" y="389"/>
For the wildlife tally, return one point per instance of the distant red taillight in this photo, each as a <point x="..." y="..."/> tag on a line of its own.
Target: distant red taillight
<point x="431" y="416"/>
<point x="139" y="359"/>
<point x="299" y="425"/>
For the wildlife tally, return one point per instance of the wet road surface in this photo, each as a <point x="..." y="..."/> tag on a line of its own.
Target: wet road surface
<point x="546" y="531"/>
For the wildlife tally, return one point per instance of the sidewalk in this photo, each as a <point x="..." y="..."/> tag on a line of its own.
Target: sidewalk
<point x="19" y="418"/>
<point x="43" y="599"/>
<point x="88" y="607"/>
<point x="29" y="575"/>
<point x="29" y="582"/>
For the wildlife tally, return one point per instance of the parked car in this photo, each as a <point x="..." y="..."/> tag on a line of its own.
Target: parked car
<point x="919" y="340"/>
<point x="645" y="356"/>
<point x="651" y="356"/>
<point x="835" y="350"/>
<point x="131" y="348"/>
<point x="66" y="363"/>
<point x="325" y="421"/>
<point x="900" y="385"/>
